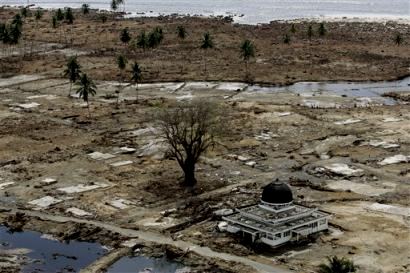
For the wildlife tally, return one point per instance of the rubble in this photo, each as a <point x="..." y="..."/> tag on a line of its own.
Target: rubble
<point x="121" y="163"/>
<point x="45" y="202"/>
<point x="395" y="160"/>
<point x="348" y="121"/>
<point x="82" y="188"/>
<point x="223" y="212"/>
<point x="100" y="156"/>
<point x="48" y="181"/>
<point x="343" y="169"/>
<point x="29" y="105"/>
<point x="125" y="150"/>
<point x="77" y="212"/>
<point x="404" y="211"/>
<point x="360" y="188"/>
<point x="120" y="203"/>
<point x="5" y="185"/>
<point x="383" y="144"/>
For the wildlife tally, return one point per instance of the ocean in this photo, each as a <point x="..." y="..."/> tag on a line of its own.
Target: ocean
<point x="251" y="11"/>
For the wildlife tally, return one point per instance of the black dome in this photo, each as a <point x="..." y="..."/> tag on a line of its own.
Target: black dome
<point x="277" y="193"/>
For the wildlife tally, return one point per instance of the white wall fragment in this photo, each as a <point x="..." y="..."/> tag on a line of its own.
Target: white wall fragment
<point x="348" y="121"/>
<point x="405" y="211"/>
<point x="100" y="156"/>
<point x="45" y="202"/>
<point x="343" y="169"/>
<point x="5" y="184"/>
<point x="395" y="159"/>
<point x="121" y="163"/>
<point x="29" y="105"/>
<point x="77" y="212"/>
<point x="82" y="188"/>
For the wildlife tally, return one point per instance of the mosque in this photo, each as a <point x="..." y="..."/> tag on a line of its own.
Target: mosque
<point x="276" y="220"/>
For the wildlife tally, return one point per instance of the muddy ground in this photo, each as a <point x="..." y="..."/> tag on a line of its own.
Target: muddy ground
<point x="48" y="143"/>
<point x="46" y="135"/>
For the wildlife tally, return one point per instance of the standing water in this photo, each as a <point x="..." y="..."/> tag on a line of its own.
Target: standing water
<point x="47" y="255"/>
<point x="252" y="12"/>
<point x="143" y="264"/>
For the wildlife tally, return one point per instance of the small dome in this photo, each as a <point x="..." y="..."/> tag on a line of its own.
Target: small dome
<point x="277" y="193"/>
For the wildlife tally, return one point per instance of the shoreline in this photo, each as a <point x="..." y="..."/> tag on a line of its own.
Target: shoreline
<point x="238" y="18"/>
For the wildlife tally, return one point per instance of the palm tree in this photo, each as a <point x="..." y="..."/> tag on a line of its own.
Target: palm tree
<point x="293" y="29"/>
<point x="122" y="64"/>
<point x="142" y="40"/>
<point x="86" y="88"/>
<point x="69" y="16"/>
<point x="114" y="5"/>
<point x="247" y="52"/>
<point x="310" y="32"/>
<point x="38" y="15"/>
<point x="337" y="265"/>
<point x="136" y="75"/>
<point x="17" y="20"/>
<point x="286" y="39"/>
<point x="121" y="2"/>
<point x="207" y="43"/>
<point x="15" y="34"/>
<point x="72" y="72"/>
<point x="125" y="36"/>
<point x="181" y="32"/>
<point x="54" y="22"/>
<point x="155" y="37"/>
<point x="59" y="15"/>
<point x="398" y="40"/>
<point x="24" y="12"/>
<point x="85" y="8"/>
<point x="322" y="29"/>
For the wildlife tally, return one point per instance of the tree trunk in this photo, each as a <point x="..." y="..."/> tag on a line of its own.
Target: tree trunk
<point x="88" y="107"/>
<point x="189" y="172"/>
<point x="137" y="92"/>
<point x="69" y="91"/>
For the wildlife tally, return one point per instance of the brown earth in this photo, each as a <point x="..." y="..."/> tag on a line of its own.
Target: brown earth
<point x="349" y="51"/>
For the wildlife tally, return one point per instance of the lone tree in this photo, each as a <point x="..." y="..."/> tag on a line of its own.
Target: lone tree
<point x="72" y="72"/>
<point x="207" y="43"/>
<point x="337" y="265"/>
<point x="247" y="52"/>
<point x="86" y="89"/>
<point x="190" y="130"/>
<point x="136" y="75"/>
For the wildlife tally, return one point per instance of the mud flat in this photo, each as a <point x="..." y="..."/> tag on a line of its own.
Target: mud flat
<point x="61" y="166"/>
